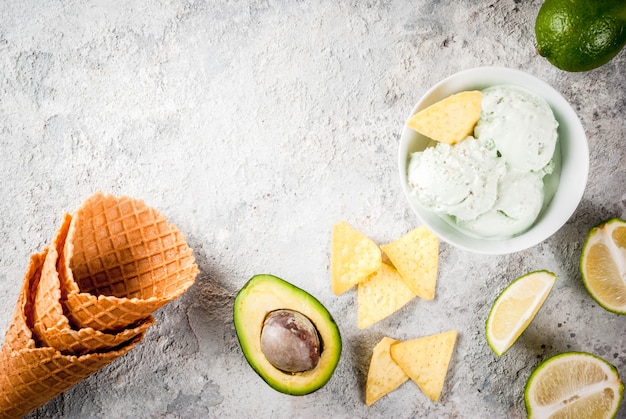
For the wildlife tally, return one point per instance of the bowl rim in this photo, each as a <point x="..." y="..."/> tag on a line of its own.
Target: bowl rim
<point x="573" y="144"/>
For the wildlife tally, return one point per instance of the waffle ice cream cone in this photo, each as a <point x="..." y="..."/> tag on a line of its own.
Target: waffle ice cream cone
<point x="32" y="375"/>
<point x="88" y="298"/>
<point x="121" y="261"/>
<point x="19" y="335"/>
<point x="47" y="308"/>
<point x="50" y="325"/>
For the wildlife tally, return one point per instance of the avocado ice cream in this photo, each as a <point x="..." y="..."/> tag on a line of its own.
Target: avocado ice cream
<point x="492" y="183"/>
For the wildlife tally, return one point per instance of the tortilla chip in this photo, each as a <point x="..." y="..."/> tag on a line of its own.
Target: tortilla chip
<point x="384" y="374"/>
<point x="380" y="295"/>
<point x="416" y="257"/>
<point x="450" y="120"/>
<point x="353" y="257"/>
<point x="425" y="360"/>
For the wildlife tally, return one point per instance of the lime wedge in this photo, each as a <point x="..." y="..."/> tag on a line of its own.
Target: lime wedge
<point x="573" y="385"/>
<point x="515" y="308"/>
<point x="603" y="265"/>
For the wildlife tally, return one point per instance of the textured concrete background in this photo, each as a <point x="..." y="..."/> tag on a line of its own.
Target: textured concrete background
<point x="255" y="126"/>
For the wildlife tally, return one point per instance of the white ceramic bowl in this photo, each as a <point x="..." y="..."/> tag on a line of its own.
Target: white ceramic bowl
<point x="568" y="183"/>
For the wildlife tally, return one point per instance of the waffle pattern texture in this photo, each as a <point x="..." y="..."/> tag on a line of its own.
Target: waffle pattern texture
<point x="88" y="298"/>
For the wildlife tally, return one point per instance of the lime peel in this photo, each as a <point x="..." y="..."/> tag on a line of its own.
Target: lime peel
<point x="576" y="384"/>
<point x="515" y="308"/>
<point x="580" y="35"/>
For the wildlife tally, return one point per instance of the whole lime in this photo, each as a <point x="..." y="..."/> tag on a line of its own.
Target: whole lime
<point x="580" y="35"/>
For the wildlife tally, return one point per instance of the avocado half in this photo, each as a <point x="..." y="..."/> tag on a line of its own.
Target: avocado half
<point x="264" y="294"/>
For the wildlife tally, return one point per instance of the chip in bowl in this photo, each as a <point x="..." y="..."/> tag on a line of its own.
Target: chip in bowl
<point x="449" y="120"/>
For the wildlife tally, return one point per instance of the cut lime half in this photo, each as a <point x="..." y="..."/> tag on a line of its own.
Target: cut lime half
<point x="573" y="385"/>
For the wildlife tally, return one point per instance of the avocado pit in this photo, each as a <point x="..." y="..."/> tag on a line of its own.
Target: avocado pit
<point x="290" y="341"/>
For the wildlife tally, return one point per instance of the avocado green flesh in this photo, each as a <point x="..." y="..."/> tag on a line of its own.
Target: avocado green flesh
<point x="263" y="294"/>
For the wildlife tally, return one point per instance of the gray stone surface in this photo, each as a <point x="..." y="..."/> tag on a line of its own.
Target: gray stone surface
<point x="255" y="126"/>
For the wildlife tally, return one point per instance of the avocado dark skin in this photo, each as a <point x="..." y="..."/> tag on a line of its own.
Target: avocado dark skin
<point x="287" y="336"/>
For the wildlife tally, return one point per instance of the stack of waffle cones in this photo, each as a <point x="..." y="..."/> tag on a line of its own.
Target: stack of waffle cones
<point x="88" y="298"/>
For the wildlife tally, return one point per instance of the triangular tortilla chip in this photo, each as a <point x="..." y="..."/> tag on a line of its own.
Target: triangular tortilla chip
<point x="450" y="120"/>
<point x="353" y="257"/>
<point x="381" y="295"/>
<point x="416" y="257"/>
<point x="384" y="374"/>
<point x="425" y="360"/>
